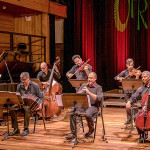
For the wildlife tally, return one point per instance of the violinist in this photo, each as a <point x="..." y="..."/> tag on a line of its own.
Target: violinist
<point x="95" y="93"/>
<point x="139" y="94"/>
<point x="45" y="73"/>
<point x="83" y="70"/>
<point x="128" y="74"/>
<point x="25" y="87"/>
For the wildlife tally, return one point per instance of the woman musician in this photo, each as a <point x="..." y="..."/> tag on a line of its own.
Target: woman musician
<point x="140" y="93"/>
<point x="129" y="73"/>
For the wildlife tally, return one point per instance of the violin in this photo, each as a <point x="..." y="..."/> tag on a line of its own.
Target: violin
<point x="134" y="72"/>
<point x="82" y="67"/>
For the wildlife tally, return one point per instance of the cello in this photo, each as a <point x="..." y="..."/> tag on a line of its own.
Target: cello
<point x="51" y="108"/>
<point x="143" y="118"/>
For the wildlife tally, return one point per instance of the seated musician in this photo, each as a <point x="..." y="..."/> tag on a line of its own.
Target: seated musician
<point x="25" y="87"/>
<point x="139" y="94"/>
<point x="128" y="93"/>
<point x="95" y="93"/>
<point x="45" y="73"/>
<point x="82" y="73"/>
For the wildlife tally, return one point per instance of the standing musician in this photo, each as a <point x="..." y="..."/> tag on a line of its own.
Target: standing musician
<point x="82" y="73"/>
<point x="128" y="93"/>
<point x="139" y="94"/>
<point x="45" y="73"/>
<point x="95" y="93"/>
<point x="25" y="87"/>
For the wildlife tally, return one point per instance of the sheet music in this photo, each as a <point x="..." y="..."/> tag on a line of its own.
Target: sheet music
<point x="59" y="100"/>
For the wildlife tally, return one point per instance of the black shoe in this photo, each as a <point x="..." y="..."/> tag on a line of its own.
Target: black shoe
<point x="25" y="132"/>
<point x="141" y="140"/>
<point x="15" y="132"/>
<point x="71" y="136"/>
<point x="127" y="122"/>
<point x="88" y="133"/>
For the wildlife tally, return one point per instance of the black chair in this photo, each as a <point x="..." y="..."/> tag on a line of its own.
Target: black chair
<point x="35" y="113"/>
<point x="95" y="117"/>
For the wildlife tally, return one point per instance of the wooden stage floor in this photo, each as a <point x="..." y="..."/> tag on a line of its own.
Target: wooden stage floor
<point x="54" y="136"/>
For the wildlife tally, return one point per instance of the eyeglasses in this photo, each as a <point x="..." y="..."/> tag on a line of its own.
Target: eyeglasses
<point x="23" y="79"/>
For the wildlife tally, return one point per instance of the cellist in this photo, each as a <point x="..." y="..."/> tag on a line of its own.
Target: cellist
<point x="139" y="94"/>
<point x="128" y="93"/>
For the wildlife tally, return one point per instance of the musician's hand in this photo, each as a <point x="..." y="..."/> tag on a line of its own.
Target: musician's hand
<point x="138" y="74"/>
<point x="69" y="75"/>
<point x="86" y="68"/>
<point x="85" y="89"/>
<point x="56" y="69"/>
<point x="120" y="79"/>
<point x="40" y="107"/>
<point x="128" y="105"/>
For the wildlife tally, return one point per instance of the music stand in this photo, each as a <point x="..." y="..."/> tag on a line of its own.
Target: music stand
<point x="75" y="100"/>
<point x="76" y="82"/>
<point x="9" y="98"/>
<point x="38" y="82"/>
<point x="131" y="84"/>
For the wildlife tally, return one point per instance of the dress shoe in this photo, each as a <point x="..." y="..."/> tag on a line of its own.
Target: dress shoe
<point x="25" y="132"/>
<point x="71" y="136"/>
<point x="127" y="122"/>
<point x="15" y="132"/>
<point x="88" y="133"/>
<point x="141" y="140"/>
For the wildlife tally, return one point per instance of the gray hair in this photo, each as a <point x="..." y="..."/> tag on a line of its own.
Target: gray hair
<point x="95" y="75"/>
<point x="146" y="72"/>
<point x="24" y="74"/>
<point x="76" y="56"/>
<point x="129" y="60"/>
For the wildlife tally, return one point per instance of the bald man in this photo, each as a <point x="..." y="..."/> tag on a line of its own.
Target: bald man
<point x="141" y="91"/>
<point x="45" y="73"/>
<point x="95" y="93"/>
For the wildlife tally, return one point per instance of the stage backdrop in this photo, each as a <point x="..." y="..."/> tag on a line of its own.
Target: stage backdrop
<point x="108" y="32"/>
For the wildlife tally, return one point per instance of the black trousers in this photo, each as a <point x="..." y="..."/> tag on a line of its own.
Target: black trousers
<point x="90" y="111"/>
<point x="128" y="111"/>
<point x="13" y="114"/>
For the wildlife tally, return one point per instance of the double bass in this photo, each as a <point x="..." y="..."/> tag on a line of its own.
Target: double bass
<point x="51" y="108"/>
<point x="143" y="118"/>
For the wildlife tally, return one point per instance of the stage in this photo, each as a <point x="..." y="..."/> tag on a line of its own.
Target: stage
<point x="56" y="130"/>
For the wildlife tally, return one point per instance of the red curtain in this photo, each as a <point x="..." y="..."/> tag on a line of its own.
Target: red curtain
<point x="108" y="41"/>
